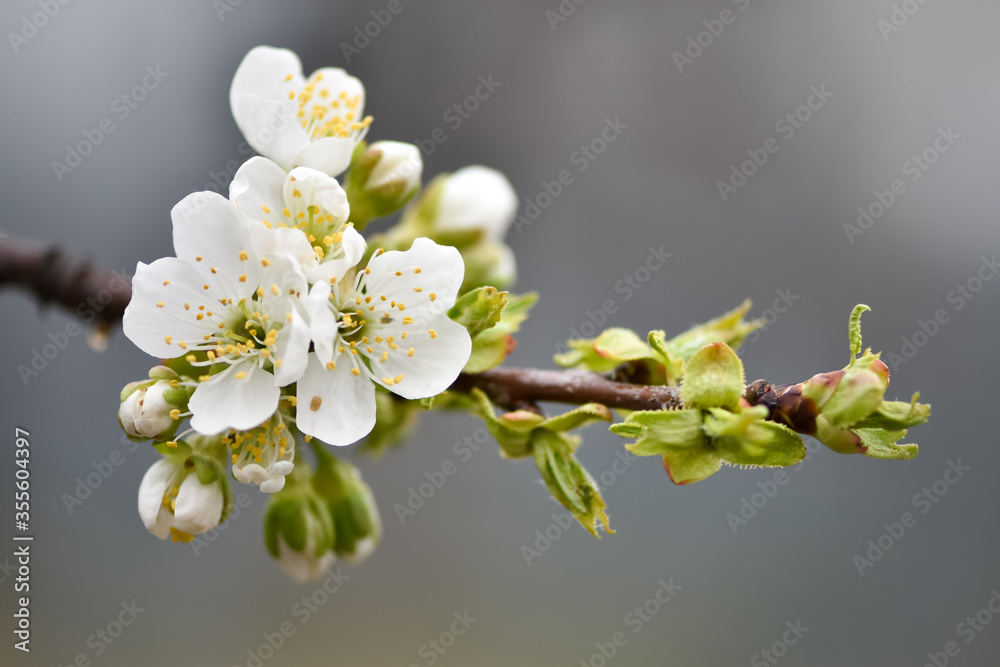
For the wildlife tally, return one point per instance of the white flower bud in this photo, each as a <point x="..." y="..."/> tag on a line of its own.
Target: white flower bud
<point x="400" y="163"/>
<point x="477" y="198"/>
<point x="174" y="503"/>
<point x="146" y="413"/>
<point x="383" y="179"/>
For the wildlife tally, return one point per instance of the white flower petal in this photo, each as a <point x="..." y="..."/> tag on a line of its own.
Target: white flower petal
<point x="225" y="401"/>
<point x="263" y="72"/>
<point x="316" y="187"/>
<point x="477" y="197"/>
<point x="271" y="127"/>
<point x="148" y="324"/>
<point x="154" y="484"/>
<point x="282" y="241"/>
<point x="335" y="405"/>
<point x="428" y="267"/>
<point x="268" y="480"/>
<point x="352" y="249"/>
<point x="292" y="348"/>
<point x="331" y="155"/>
<point x="437" y="358"/>
<point x="339" y="84"/>
<point x="322" y="321"/>
<point x="257" y="188"/>
<point x="199" y="506"/>
<point x="262" y="99"/>
<point x="210" y="227"/>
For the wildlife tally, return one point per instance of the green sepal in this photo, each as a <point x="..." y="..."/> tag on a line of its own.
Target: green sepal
<point x="730" y="329"/>
<point x="880" y="443"/>
<point x="181" y="451"/>
<point x="184" y="368"/>
<point x="713" y="378"/>
<point x="291" y="514"/>
<point x="568" y="482"/>
<point x="491" y="346"/>
<point x="133" y="387"/>
<point x="479" y="309"/>
<point x="349" y="500"/>
<point x="897" y="415"/>
<point x="163" y="373"/>
<point x="208" y="470"/>
<point x="854" y="330"/>
<point x="177" y="397"/>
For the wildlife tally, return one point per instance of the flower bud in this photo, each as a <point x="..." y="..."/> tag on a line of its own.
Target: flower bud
<point x="299" y="533"/>
<point x="181" y="496"/>
<point x="147" y="411"/>
<point x="383" y="179"/>
<point x="476" y="198"/>
<point x="356" y="519"/>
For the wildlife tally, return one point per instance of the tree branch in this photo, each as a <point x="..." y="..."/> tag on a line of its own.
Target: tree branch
<point x="52" y="276"/>
<point x="515" y="388"/>
<point x="55" y="277"/>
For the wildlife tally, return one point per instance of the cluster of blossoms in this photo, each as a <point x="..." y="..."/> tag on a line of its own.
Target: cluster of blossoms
<point x="280" y="324"/>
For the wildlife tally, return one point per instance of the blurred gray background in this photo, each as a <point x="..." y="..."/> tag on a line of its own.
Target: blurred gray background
<point x="794" y="562"/>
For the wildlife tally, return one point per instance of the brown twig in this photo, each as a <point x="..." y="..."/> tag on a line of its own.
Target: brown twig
<point x="53" y="276"/>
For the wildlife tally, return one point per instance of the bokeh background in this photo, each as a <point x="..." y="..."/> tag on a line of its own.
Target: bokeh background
<point x="656" y="184"/>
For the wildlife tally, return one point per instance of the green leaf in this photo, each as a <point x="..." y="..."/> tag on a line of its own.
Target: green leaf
<point x="688" y="466"/>
<point x="621" y="345"/>
<point x="479" y="309"/>
<point x="491" y="346"/>
<point x="721" y="422"/>
<point x="674" y="365"/>
<point x="658" y="432"/>
<point x="581" y="354"/>
<point x="729" y="328"/>
<point x="677" y="436"/>
<point x="837" y="438"/>
<point x="854" y="330"/>
<point x="713" y="378"/>
<point x="568" y="482"/>
<point x="578" y="418"/>
<point x="763" y="444"/>
<point x="881" y="444"/>
<point x="858" y="395"/>
<point x="512" y="434"/>
<point x="897" y="415"/>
